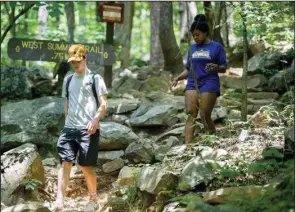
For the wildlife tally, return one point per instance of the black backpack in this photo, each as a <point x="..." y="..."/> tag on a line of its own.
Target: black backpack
<point x="93" y="88"/>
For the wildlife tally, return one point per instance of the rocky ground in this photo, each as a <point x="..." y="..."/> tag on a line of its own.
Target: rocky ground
<point x="143" y="164"/>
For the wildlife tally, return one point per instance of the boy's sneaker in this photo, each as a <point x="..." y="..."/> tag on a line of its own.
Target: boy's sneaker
<point x="58" y="205"/>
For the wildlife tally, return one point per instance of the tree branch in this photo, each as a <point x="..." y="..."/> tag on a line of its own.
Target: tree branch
<point x="26" y="9"/>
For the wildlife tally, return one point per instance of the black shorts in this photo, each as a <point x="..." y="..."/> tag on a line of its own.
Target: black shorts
<point x="71" y="141"/>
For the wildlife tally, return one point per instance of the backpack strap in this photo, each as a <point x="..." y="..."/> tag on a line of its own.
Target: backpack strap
<point x="94" y="90"/>
<point x="68" y="84"/>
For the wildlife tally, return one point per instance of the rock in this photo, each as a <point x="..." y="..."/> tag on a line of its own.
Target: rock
<point x="260" y="62"/>
<point x="124" y="84"/>
<point x="153" y="180"/>
<point x="27" y="207"/>
<point x="289" y="140"/>
<point x="251" y="109"/>
<point x="128" y="175"/>
<point x="115" y="136"/>
<point x="209" y="153"/>
<point x="106" y="156"/>
<point x="266" y="116"/>
<point x="176" y="150"/>
<point x="281" y="80"/>
<point x="40" y="73"/>
<point x="260" y="101"/>
<point x="176" y="131"/>
<point x="113" y="165"/>
<point x="243" y="135"/>
<point x="18" y="166"/>
<point x="263" y="95"/>
<point x="49" y="162"/>
<point x="37" y="121"/>
<point x="142" y="75"/>
<point x="139" y="153"/>
<point x="121" y="105"/>
<point x="225" y="194"/>
<point x="42" y="88"/>
<point x="175" y="207"/>
<point x="235" y="114"/>
<point x="155" y="83"/>
<point x="218" y="113"/>
<point x="158" y="115"/>
<point x="124" y="108"/>
<point x="15" y="82"/>
<point x="230" y="102"/>
<point x="195" y="172"/>
<point x="256" y="82"/>
<point x="121" y="119"/>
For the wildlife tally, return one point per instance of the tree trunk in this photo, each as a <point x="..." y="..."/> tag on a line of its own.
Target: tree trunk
<point x="245" y="66"/>
<point x="123" y="33"/>
<point x="183" y="22"/>
<point x="171" y="51"/>
<point x="70" y="13"/>
<point x="157" y="58"/>
<point x="42" y="21"/>
<point x="217" y="22"/>
<point x="210" y="17"/>
<point x="225" y="29"/>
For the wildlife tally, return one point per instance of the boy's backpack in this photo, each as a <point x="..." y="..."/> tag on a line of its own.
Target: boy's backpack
<point x="93" y="88"/>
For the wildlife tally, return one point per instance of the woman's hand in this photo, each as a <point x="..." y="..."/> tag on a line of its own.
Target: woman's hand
<point x="212" y="67"/>
<point x="174" y="82"/>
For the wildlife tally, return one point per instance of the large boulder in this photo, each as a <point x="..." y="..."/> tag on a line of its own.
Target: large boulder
<point x="139" y="152"/>
<point x="195" y="172"/>
<point x="154" y="179"/>
<point x="15" y="83"/>
<point x="37" y="121"/>
<point x="289" y="140"/>
<point x="265" y="116"/>
<point x="255" y="83"/>
<point x="260" y="62"/>
<point x="115" y="136"/>
<point x="157" y="115"/>
<point x="19" y="166"/>
<point x="281" y="81"/>
<point x="27" y="207"/>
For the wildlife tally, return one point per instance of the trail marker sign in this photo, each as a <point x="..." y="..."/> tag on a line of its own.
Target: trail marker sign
<point x="46" y="50"/>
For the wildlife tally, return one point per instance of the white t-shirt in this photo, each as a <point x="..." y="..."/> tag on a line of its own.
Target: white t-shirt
<point x="82" y="104"/>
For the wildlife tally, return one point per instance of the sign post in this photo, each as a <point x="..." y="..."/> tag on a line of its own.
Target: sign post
<point x="110" y="13"/>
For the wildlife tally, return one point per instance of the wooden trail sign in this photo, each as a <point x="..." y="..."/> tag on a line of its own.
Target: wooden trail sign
<point x="45" y="50"/>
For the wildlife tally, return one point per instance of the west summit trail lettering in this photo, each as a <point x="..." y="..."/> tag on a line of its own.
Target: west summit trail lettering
<point x="44" y="50"/>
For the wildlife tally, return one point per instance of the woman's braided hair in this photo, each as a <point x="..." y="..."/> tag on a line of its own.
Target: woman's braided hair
<point x="200" y="23"/>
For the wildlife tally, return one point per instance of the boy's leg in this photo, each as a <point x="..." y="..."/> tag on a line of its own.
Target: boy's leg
<point x="191" y="107"/>
<point x="88" y="153"/>
<point x="67" y="151"/>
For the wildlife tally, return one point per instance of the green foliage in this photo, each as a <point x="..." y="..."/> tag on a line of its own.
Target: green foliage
<point x="267" y="21"/>
<point x="187" y="198"/>
<point x="269" y="72"/>
<point x="279" y="198"/>
<point x="32" y="184"/>
<point x="138" y="62"/>
<point x="233" y="94"/>
<point x="132" y="194"/>
<point x="209" y="140"/>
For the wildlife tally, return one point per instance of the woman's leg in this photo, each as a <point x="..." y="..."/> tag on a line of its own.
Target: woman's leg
<point x="207" y="102"/>
<point x="191" y="108"/>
